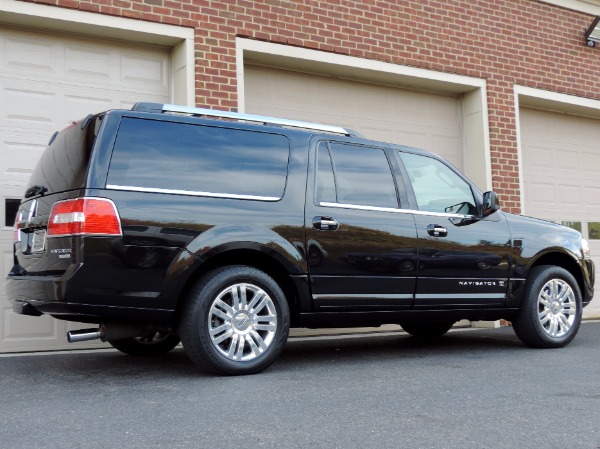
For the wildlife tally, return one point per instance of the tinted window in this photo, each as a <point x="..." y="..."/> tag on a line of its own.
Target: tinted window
<point x="325" y="180"/>
<point x="437" y="188"/>
<point x="361" y="176"/>
<point x="201" y="159"/>
<point x="64" y="163"/>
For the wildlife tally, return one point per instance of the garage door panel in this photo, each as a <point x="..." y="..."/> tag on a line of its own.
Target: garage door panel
<point x="21" y="54"/>
<point x="21" y="327"/>
<point x="537" y="157"/>
<point x="79" y="106"/>
<point x="65" y="60"/>
<point x="566" y="160"/>
<point x="448" y="147"/>
<point x="592" y="197"/>
<point x="25" y="105"/>
<point x="566" y="195"/>
<point x="46" y="82"/>
<point x="541" y="193"/>
<point x="88" y="61"/>
<point x="564" y="149"/>
<point x="591" y="161"/>
<point x="586" y="133"/>
<point x="17" y="158"/>
<point x="424" y="120"/>
<point x="144" y="70"/>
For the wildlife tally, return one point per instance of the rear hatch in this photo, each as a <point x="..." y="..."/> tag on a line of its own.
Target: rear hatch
<point x="59" y="175"/>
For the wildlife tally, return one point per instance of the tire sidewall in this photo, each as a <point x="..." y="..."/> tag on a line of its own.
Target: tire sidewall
<point x="197" y="327"/>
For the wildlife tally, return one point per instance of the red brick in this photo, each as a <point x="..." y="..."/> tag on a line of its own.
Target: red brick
<point x="506" y="42"/>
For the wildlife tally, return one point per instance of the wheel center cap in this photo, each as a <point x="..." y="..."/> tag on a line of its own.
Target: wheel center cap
<point x="242" y="321"/>
<point x="555" y="307"/>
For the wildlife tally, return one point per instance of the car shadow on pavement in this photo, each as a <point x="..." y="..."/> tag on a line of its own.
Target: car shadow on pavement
<point x="299" y="353"/>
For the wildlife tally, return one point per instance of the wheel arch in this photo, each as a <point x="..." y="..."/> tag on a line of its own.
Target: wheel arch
<point x="252" y="257"/>
<point x="563" y="260"/>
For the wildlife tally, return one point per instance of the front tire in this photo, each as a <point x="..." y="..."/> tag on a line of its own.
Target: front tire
<point x="235" y="321"/>
<point x="551" y="308"/>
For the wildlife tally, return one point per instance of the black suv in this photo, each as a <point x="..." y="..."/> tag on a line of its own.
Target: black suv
<point x="160" y="224"/>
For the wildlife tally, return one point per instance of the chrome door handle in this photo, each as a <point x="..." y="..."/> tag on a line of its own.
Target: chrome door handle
<point x="325" y="224"/>
<point x="436" y="230"/>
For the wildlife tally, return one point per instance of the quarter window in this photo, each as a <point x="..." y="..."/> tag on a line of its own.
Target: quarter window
<point x="437" y="188"/>
<point x="199" y="159"/>
<point x="353" y="174"/>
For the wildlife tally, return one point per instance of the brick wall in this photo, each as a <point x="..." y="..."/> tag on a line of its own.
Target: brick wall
<point x="506" y="42"/>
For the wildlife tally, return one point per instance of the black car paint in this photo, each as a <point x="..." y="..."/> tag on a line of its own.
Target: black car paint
<point x="169" y="241"/>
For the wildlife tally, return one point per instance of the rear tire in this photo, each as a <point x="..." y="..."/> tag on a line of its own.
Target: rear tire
<point x="155" y="344"/>
<point x="551" y="308"/>
<point x="235" y="321"/>
<point x="427" y="330"/>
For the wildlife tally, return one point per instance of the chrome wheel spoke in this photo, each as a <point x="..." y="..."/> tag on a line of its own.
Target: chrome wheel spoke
<point x="259" y="296"/>
<point x="556" y="308"/>
<point x="256" y="351"/>
<point x="224" y="308"/>
<point x="564" y="294"/>
<point x="256" y="338"/>
<point x="240" y="348"/>
<point x="221" y="336"/>
<point x="553" y="327"/>
<point x="235" y="297"/>
<point x="545" y="316"/>
<point x="554" y="289"/>
<point x="243" y="297"/>
<point x="569" y="308"/>
<point x="261" y="305"/>
<point x="233" y="345"/>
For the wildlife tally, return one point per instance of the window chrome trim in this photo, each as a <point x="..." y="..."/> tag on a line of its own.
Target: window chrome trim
<point x="193" y="193"/>
<point x="394" y="210"/>
<point x="365" y="296"/>
<point x="460" y="295"/>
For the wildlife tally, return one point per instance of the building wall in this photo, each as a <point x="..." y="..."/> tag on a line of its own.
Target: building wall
<point x="506" y="42"/>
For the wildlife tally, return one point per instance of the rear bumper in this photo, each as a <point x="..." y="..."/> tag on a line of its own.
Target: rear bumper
<point x="37" y="295"/>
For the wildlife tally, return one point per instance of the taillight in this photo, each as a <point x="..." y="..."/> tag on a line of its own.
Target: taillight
<point x="84" y="216"/>
<point x="17" y="227"/>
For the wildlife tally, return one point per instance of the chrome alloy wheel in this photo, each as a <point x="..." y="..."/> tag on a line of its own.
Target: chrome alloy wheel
<point x="556" y="308"/>
<point x="242" y="322"/>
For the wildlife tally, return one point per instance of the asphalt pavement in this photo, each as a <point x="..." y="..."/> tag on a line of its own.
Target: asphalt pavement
<point x="474" y="388"/>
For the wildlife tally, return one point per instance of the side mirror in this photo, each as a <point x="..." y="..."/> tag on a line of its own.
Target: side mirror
<point x="490" y="203"/>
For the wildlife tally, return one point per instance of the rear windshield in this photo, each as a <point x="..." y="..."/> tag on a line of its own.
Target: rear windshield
<point x="193" y="159"/>
<point x="64" y="163"/>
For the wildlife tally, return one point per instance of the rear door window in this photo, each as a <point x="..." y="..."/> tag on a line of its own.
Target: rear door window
<point x="354" y="175"/>
<point x="184" y="158"/>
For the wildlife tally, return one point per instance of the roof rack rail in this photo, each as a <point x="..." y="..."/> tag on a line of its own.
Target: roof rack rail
<point x="172" y="108"/>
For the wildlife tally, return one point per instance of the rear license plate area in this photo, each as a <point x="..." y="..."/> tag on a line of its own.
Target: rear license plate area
<point x="38" y="244"/>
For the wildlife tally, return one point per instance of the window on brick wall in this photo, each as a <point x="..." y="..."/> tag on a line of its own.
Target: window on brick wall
<point x="11" y="207"/>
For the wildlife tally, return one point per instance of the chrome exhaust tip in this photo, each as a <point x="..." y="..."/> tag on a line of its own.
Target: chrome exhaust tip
<point x="83" y="335"/>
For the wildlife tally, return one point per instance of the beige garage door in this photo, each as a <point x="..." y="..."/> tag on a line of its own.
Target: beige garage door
<point x="47" y="81"/>
<point x="561" y="174"/>
<point x="417" y="119"/>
